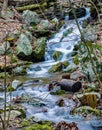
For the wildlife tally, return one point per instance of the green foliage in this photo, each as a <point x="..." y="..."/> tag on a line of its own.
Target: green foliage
<point x="59" y="92"/>
<point x="39" y="127"/>
<point x="10" y="89"/>
<point x="25" y="123"/>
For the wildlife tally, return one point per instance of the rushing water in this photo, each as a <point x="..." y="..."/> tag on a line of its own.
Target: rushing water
<point x="40" y="103"/>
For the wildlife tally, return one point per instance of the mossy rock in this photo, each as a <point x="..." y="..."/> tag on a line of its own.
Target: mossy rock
<point x="87" y="110"/>
<point x="65" y="64"/>
<point x="57" y="55"/>
<point x="39" y="50"/>
<point x="39" y="127"/>
<point x="89" y="99"/>
<point x="76" y="61"/>
<point x="56" y="68"/>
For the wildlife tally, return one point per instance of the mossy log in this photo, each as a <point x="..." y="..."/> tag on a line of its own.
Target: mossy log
<point x="22" y="2"/>
<point x="31" y="7"/>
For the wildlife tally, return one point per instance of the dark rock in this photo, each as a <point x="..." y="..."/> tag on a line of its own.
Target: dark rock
<point x="80" y="12"/>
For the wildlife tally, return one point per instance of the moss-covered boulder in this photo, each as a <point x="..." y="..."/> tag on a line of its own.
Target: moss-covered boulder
<point x="56" y="68"/>
<point x="31" y="17"/>
<point x="87" y="110"/>
<point x="38" y="52"/>
<point x="57" y="55"/>
<point x="24" y="48"/>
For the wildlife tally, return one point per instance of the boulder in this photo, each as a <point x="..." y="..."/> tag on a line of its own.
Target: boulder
<point x="57" y="55"/>
<point x="38" y="52"/>
<point x="71" y="68"/>
<point x="31" y="17"/>
<point x="90" y="33"/>
<point x="80" y="12"/>
<point x="24" y="48"/>
<point x="44" y="25"/>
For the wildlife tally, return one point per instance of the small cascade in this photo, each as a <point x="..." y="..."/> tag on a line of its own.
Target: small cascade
<point x="63" y="41"/>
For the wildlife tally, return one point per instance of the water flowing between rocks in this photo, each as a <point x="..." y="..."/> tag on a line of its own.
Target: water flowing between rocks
<point x="40" y="103"/>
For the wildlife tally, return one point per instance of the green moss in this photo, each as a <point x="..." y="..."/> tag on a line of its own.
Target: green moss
<point x="65" y="64"/>
<point x="57" y="55"/>
<point x="76" y="61"/>
<point x="87" y="110"/>
<point x="25" y="123"/>
<point x="56" y="68"/>
<point x="38" y="127"/>
<point x="10" y="89"/>
<point x="59" y="92"/>
<point x="2" y="75"/>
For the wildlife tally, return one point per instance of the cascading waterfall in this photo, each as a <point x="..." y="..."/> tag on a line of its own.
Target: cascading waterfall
<point x="63" y="41"/>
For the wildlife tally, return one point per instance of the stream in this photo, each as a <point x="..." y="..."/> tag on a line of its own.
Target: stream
<point x="41" y="104"/>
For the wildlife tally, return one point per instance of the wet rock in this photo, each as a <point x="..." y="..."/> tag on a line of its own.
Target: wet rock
<point x="60" y="102"/>
<point x="38" y="52"/>
<point x="16" y="84"/>
<point x="31" y="17"/>
<point x="72" y="67"/>
<point x="80" y="12"/>
<point x="56" y="68"/>
<point x="57" y="55"/>
<point x="69" y="85"/>
<point x="24" y="48"/>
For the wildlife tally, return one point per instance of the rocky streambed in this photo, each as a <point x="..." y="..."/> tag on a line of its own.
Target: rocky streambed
<point x="38" y="94"/>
